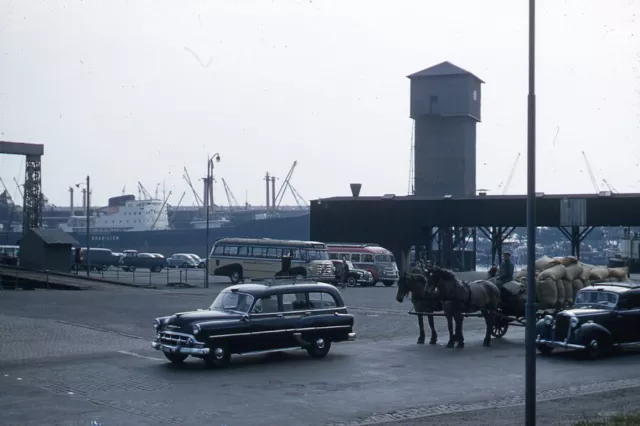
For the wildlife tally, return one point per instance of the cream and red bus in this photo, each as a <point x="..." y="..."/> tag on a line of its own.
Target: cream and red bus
<point x="247" y="258"/>
<point x="370" y="257"/>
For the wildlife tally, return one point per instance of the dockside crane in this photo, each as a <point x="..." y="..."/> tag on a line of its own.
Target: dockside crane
<point x="300" y="201"/>
<point x="231" y="199"/>
<point x="611" y="187"/>
<point x="591" y="175"/>
<point x="511" y="173"/>
<point x="164" y="204"/>
<point x="284" y="186"/>
<point x="175" y="209"/>
<point x="142" y="192"/>
<point x="197" y="198"/>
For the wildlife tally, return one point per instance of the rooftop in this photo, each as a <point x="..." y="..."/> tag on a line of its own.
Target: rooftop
<point x="445" y="68"/>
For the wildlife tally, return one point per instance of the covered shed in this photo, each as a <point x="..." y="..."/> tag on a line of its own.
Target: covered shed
<point x="47" y="249"/>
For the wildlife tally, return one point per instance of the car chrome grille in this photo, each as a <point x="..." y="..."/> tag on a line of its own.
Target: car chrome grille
<point x="324" y="269"/>
<point x="561" y="327"/>
<point x="173" y="339"/>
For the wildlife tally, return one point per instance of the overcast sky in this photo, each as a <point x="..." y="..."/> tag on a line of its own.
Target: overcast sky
<point x="129" y="91"/>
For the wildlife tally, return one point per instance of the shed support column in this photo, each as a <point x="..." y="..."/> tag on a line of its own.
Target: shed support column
<point x="497" y="235"/>
<point x="32" y="210"/>
<point x="576" y="236"/>
<point x="475" y="248"/>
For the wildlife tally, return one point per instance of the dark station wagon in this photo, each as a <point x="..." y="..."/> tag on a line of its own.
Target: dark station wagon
<point x="604" y="317"/>
<point x="273" y="316"/>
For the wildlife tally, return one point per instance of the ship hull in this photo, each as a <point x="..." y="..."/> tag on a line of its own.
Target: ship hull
<point x="189" y="240"/>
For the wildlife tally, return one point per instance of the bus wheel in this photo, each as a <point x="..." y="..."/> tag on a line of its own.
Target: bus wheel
<point x="235" y="277"/>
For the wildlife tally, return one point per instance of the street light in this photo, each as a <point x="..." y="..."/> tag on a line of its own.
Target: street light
<point x="88" y="212"/>
<point x="210" y="160"/>
<point x="530" y="311"/>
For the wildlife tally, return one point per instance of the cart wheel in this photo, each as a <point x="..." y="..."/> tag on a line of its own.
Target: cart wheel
<point x="500" y="327"/>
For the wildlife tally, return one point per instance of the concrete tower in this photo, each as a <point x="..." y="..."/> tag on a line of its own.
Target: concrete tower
<point x="445" y="105"/>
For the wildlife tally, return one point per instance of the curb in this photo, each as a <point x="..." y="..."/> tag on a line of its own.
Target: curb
<point x="77" y="277"/>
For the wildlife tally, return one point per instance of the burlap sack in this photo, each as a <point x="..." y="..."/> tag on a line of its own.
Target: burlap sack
<point x="567" y="260"/>
<point x="619" y="273"/>
<point x="546" y="292"/>
<point x="599" y="274"/>
<point x="561" y="293"/>
<point x="586" y="273"/>
<point x="577" y="286"/>
<point x="545" y="262"/>
<point x="568" y="291"/>
<point x="514" y="287"/>
<point x="521" y="274"/>
<point x="573" y="272"/>
<point x="555" y="272"/>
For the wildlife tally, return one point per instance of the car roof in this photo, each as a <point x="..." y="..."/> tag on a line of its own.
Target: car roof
<point x="284" y="286"/>
<point x="617" y="287"/>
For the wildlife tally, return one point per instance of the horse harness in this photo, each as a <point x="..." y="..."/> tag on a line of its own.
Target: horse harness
<point x="467" y="303"/>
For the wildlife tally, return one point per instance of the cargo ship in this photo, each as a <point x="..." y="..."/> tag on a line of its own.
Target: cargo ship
<point x="150" y="225"/>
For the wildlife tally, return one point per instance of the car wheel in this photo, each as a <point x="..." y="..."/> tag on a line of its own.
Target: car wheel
<point x="235" y="277"/>
<point x="175" y="358"/>
<point x="132" y="268"/>
<point x="319" y="347"/>
<point x="596" y="348"/>
<point x="184" y="265"/>
<point x="219" y="357"/>
<point x="545" y="349"/>
<point x="388" y="283"/>
<point x="351" y="282"/>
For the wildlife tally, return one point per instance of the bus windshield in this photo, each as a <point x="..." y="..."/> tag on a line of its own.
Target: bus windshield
<point x="316" y="255"/>
<point x="385" y="258"/>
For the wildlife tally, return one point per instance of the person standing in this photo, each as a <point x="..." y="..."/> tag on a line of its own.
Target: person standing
<point x="505" y="273"/>
<point x="345" y="272"/>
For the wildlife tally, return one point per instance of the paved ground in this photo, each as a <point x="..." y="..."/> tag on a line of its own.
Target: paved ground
<point x="85" y="355"/>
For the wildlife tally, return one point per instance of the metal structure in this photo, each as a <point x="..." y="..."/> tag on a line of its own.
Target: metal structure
<point x="208" y="201"/>
<point x="32" y="198"/>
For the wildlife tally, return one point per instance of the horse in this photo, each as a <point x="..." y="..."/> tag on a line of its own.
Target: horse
<point x="463" y="297"/>
<point x="415" y="283"/>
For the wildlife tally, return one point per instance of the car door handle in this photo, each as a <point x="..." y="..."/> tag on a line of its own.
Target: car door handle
<point x="306" y="314"/>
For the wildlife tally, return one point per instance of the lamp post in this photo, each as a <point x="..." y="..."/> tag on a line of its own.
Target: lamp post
<point x="88" y="219"/>
<point x="530" y="311"/>
<point x="209" y="180"/>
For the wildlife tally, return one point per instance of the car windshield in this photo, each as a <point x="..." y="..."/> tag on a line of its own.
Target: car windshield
<point x="606" y="299"/>
<point x="316" y="254"/>
<point x="388" y="258"/>
<point x="228" y="301"/>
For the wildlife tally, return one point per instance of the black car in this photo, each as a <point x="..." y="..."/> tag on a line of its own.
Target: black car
<point x="279" y="315"/>
<point x="604" y="316"/>
<point x="355" y="276"/>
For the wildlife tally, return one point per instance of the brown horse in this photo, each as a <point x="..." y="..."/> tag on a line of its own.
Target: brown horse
<point x="463" y="297"/>
<point x="416" y="284"/>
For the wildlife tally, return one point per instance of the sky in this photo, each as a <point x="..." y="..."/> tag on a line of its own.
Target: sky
<point x="135" y="91"/>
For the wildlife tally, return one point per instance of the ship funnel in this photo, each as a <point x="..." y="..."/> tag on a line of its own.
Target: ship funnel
<point x="355" y="189"/>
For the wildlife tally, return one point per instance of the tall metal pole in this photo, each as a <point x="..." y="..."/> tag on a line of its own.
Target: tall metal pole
<point x="88" y="226"/>
<point x="206" y="201"/>
<point x="530" y="314"/>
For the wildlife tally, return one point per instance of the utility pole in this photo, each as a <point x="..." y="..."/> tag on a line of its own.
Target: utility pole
<point x="88" y="226"/>
<point x="209" y="180"/>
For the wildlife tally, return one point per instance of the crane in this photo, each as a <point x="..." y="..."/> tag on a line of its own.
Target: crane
<point x="143" y="191"/>
<point x="4" y="186"/>
<point x="284" y="186"/>
<point x="164" y="204"/>
<point x="197" y="198"/>
<point x="19" y="190"/>
<point x="231" y="199"/>
<point x="611" y="187"/>
<point x="301" y="202"/>
<point x="175" y="209"/>
<point x="511" y="173"/>
<point x="591" y="175"/>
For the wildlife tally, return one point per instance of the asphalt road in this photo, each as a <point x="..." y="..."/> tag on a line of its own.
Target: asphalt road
<point x="79" y="356"/>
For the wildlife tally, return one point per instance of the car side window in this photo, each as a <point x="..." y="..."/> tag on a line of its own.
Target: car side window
<point x="294" y="302"/>
<point x="355" y="257"/>
<point x="266" y="305"/>
<point x="322" y="300"/>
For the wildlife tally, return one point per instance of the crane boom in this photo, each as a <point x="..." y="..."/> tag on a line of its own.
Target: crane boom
<point x="591" y="175"/>
<point x="611" y="187"/>
<point x="511" y="173"/>
<point x="285" y="185"/>
<point x="300" y="201"/>
<point x="231" y="199"/>
<point x="19" y="190"/>
<point x="197" y="198"/>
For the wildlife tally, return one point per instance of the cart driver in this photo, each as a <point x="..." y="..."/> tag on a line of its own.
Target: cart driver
<point x="505" y="273"/>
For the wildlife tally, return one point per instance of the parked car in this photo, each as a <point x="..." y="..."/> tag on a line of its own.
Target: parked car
<point x="355" y="276"/>
<point x="198" y="259"/>
<point x="133" y="260"/>
<point x="604" y="317"/>
<point x="181" y="260"/>
<point x="100" y="259"/>
<point x="274" y="316"/>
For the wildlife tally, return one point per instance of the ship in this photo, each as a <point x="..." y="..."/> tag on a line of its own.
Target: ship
<point x="149" y="225"/>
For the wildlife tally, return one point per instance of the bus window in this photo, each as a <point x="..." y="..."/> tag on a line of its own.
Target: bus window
<point x="274" y="253"/>
<point x="355" y="257"/>
<point x="334" y="256"/>
<point x="258" y="252"/>
<point x="243" y="251"/>
<point x="384" y="258"/>
<point x="218" y="250"/>
<point x="367" y="258"/>
<point x="315" y="255"/>
<point x="230" y="251"/>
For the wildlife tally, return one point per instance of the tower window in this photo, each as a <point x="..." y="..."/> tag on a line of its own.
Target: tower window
<point x="475" y="95"/>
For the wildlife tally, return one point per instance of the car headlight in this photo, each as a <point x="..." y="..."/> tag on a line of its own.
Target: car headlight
<point x="156" y="324"/>
<point x="574" y="322"/>
<point x="196" y="329"/>
<point x="548" y="320"/>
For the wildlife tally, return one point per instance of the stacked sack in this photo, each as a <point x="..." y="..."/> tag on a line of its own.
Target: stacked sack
<point x="559" y="279"/>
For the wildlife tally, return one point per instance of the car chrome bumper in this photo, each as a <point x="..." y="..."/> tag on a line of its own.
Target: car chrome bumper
<point x="179" y="349"/>
<point x="351" y="337"/>
<point x="565" y="345"/>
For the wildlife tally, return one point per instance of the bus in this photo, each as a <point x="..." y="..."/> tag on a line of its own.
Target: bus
<point x="241" y="258"/>
<point x="371" y="257"/>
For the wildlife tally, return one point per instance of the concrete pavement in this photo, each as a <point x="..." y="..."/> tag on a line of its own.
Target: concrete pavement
<point x="84" y="356"/>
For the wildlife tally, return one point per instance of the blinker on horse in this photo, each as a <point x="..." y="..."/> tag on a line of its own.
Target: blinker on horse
<point x="415" y="283"/>
<point x="459" y="298"/>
